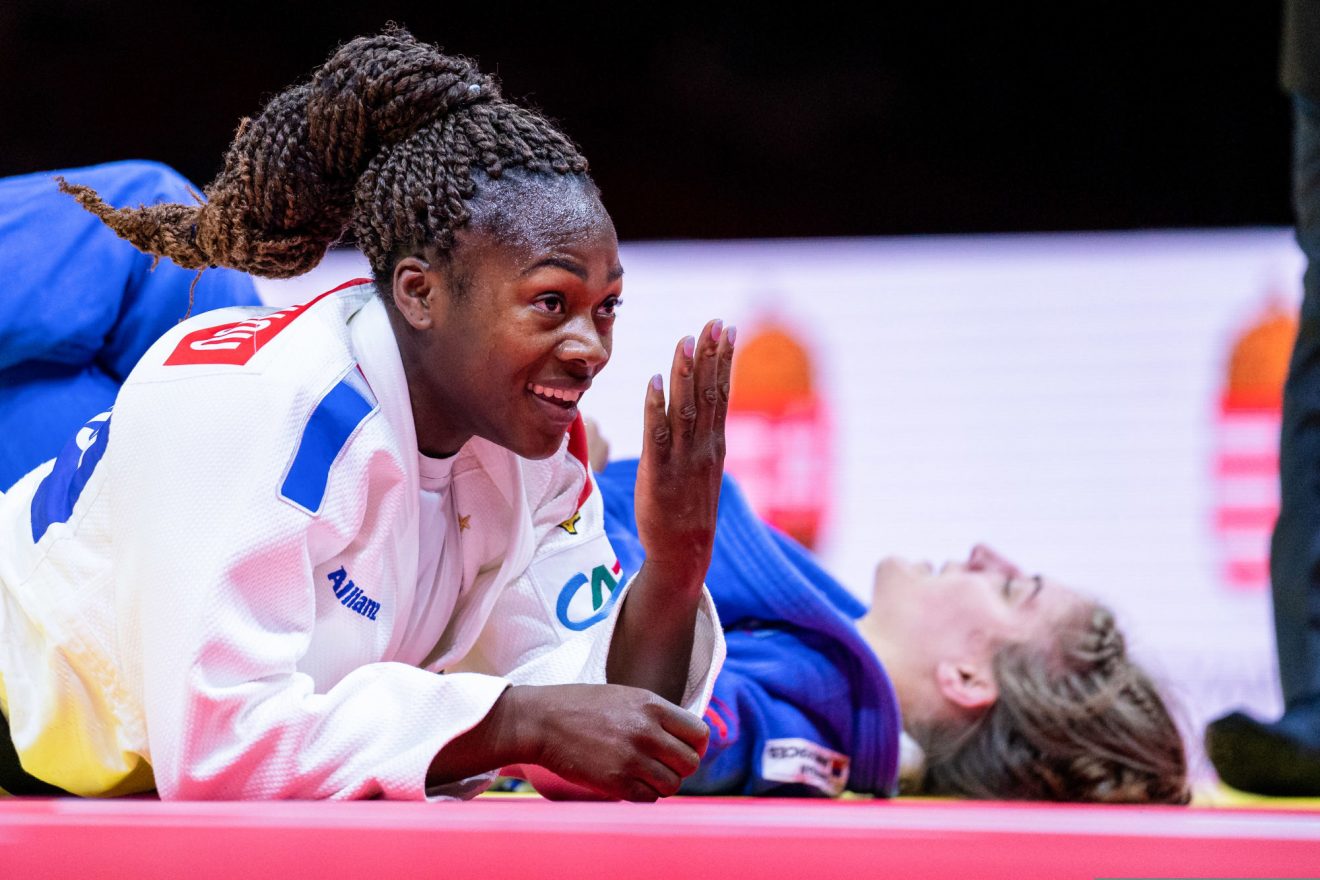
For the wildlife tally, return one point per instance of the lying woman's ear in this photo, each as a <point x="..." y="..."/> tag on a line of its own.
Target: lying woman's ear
<point x="967" y="683"/>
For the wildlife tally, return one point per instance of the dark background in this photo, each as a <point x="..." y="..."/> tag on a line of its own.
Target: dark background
<point x="915" y="117"/>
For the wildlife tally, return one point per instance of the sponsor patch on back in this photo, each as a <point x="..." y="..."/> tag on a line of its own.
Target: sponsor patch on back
<point x="793" y="759"/>
<point x="237" y="342"/>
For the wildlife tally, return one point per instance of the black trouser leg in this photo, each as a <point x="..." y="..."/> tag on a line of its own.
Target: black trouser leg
<point x="1295" y="547"/>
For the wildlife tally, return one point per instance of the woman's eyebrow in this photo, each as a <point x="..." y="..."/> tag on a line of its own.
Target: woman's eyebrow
<point x="557" y="263"/>
<point x="615" y="273"/>
<point x="1040" y="585"/>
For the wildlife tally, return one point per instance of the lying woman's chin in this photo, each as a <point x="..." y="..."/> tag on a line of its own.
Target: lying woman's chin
<point x="893" y="571"/>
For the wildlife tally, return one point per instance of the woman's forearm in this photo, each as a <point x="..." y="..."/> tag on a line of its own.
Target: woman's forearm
<point x="652" y="644"/>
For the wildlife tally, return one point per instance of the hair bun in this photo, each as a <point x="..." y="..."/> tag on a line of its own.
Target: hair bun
<point x="378" y="90"/>
<point x="370" y="142"/>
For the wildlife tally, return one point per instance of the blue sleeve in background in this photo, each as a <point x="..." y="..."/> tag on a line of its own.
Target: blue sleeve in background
<point x="79" y="306"/>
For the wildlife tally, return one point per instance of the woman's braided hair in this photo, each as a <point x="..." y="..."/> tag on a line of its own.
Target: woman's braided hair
<point x="1075" y="721"/>
<point x="383" y="139"/>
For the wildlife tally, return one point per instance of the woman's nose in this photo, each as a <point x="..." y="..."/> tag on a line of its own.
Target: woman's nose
<point x="983" y="558"/>
<point x="585" y="344"/>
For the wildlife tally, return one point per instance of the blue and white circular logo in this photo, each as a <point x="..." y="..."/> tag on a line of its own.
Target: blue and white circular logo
<point x="588" y="598"/>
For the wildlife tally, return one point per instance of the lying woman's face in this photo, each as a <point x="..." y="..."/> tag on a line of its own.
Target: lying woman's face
<point x="964" y="608"/>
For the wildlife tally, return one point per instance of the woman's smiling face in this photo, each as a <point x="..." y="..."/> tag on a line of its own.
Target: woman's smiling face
<point x="507" y="335"/>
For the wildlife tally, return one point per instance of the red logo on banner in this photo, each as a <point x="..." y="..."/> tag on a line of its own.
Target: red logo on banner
<point x="1247" y="457"/>
<point x="778" y="433"/>
<point x="235" y="343"/>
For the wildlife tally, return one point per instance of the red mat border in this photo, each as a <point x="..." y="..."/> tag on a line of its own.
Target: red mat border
<point x="718" y="837"/>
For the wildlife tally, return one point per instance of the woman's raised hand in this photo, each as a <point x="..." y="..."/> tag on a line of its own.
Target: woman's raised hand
<point x="682" y="461"/>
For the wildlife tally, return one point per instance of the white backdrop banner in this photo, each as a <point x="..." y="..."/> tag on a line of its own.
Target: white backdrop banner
<point x="1099" y="407"/>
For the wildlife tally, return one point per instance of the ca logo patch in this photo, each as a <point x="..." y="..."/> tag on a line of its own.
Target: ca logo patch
<point x="587" y="598"/>
<point x="570" y="525"/>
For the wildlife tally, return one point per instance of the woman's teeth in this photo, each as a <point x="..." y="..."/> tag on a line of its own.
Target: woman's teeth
<point x="559" y="394"/>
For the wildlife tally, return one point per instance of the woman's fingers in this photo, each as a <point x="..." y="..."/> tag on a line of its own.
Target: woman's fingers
<point x="682" y="403"/>
<point x="658" y="777"/>
<point x="657" y="438"/>
<point x="705" y="376"/>
<point x="723" y="376"/>
<point x="698" y="393"/>
<point x="689" y="730"/>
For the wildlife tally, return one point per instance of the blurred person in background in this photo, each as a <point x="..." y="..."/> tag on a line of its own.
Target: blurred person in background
<point x="1282" y="757"/>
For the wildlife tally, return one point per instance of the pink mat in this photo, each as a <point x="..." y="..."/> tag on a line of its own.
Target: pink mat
<point x="679" y="838"/>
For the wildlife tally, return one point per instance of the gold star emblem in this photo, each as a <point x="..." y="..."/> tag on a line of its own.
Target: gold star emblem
<point x="464" y="523"/>
<point x="570" y="525"/>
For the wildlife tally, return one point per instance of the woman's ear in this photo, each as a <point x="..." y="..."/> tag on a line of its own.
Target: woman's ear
<point x="415" y="289"/>
<point x="966" y="683"/>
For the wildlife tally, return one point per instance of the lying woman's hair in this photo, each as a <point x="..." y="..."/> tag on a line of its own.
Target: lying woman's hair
<point x="383" y="139"/>
<point x="1075" y="721"/>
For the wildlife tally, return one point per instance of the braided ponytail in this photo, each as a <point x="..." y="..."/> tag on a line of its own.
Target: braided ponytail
<point x="383" y="139"/>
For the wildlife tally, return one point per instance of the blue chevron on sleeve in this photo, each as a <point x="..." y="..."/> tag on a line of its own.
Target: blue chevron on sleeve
<point x="335" y="420"/>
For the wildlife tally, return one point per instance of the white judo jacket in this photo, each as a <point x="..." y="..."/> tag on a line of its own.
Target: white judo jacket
<point x="213" y="589"/>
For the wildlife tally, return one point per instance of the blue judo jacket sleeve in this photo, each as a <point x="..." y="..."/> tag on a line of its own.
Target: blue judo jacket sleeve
<point x="780" y="718"/>
<point x="79" y="306"/>
<point x="802" y="705"/>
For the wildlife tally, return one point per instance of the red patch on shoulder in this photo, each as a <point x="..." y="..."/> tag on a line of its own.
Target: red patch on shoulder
<point x="236" y="342"/>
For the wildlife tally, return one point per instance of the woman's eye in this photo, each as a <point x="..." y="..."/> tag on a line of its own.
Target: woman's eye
<point x="610" y="307"/>
<point x="550" y="302"/>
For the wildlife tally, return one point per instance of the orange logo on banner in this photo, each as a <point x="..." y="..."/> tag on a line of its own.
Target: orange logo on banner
<point x="778" y="433"/>
<point x="1247" y="460"/>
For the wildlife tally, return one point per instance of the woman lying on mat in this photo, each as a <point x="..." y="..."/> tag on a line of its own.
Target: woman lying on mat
<point x="241" y="580"/>
<point x="1012" y="685"/>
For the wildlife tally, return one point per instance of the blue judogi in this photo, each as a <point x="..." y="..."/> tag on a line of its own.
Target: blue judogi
<point x="79" y="306"/>
<point x="802" y="703"/>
